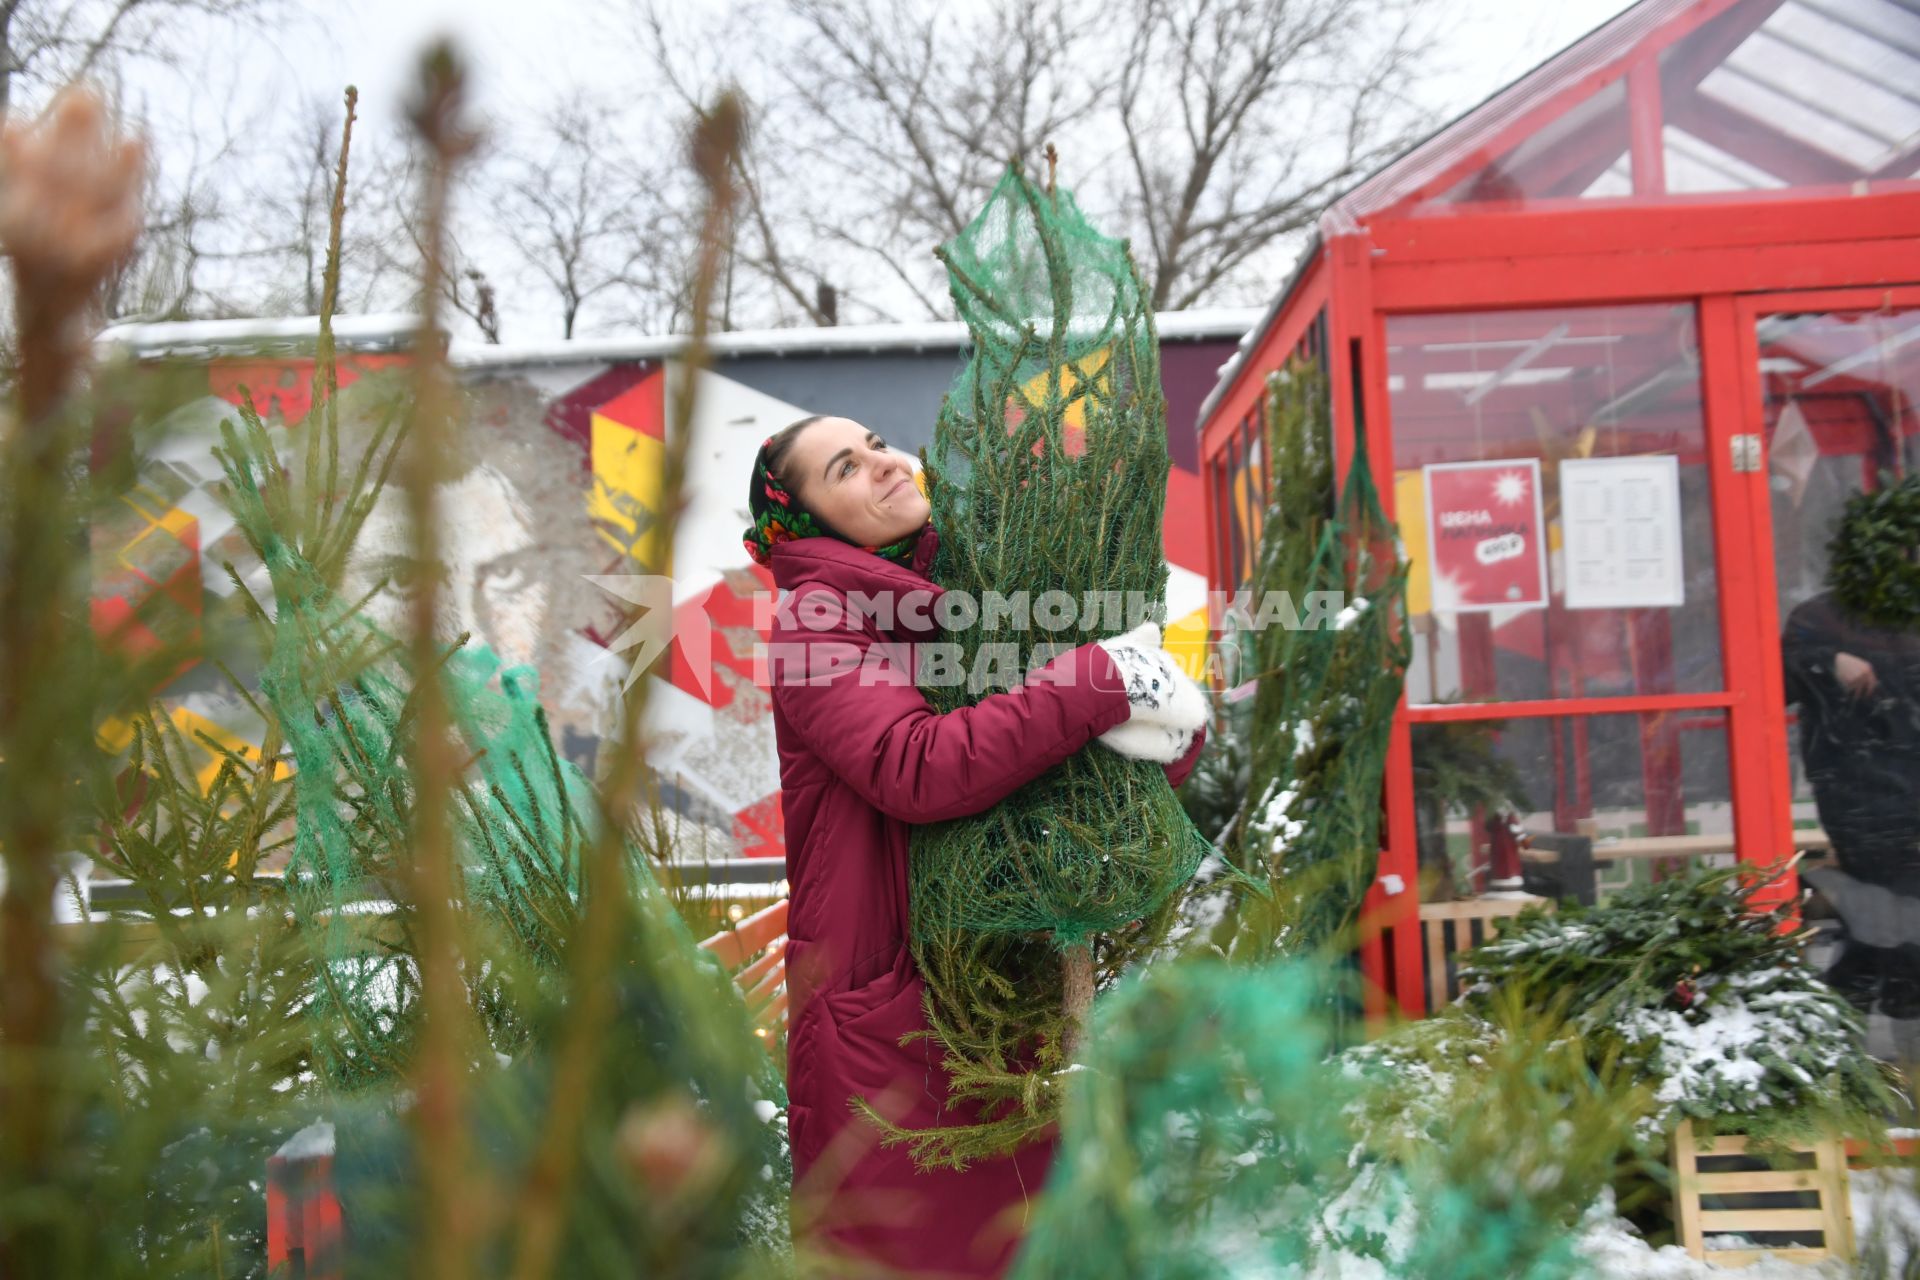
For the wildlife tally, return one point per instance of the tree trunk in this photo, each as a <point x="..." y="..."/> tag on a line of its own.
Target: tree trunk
<point x="1078" y="963"/>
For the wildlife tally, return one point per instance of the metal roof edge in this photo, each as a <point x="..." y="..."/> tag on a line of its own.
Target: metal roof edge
<point x="1236" y="364"/>
<point x="377" y="331"/>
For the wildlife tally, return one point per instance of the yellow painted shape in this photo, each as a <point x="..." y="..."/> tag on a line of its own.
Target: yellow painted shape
<point x="629" y="469"/>
<point x="149" y="505"/>
<point x="1410" y="513"/>
<point x="1185" y="640"/>
<point x="173" y="522"/>
<point x="192" y="725"/>
<point x="1090" y="366"/>
<point x="116" y="735"/>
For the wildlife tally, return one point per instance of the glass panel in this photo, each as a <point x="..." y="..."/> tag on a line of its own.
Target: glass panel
<point x="1499" y="420"/>
<point x="1582" y="152"/>
<point x="1839" y="420"/>
<point x="1568" y="806"/>
<point x="1805" y="93"/>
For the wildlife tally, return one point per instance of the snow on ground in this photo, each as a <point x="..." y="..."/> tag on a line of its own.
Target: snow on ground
<point x="1886" y="1220"/>
<point x="1886" y="1214"/>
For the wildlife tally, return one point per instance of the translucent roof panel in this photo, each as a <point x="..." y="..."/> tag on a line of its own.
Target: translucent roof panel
<point x="1567" y="156"/>
<point x="1741" y="95"/>
<point x="1811" y="93"/>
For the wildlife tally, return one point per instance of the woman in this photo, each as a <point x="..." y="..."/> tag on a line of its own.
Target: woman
<point x="844" y="528"/>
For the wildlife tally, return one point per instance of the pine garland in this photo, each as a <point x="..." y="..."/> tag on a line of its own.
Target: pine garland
<point x="1871" y="562"/>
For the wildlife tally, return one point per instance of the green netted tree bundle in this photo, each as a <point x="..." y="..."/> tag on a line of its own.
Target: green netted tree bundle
<point x="176" y="1050"/>
<point x="1211" y="1134"/>
<point x="1047" y="475"/>
<point x="1330" y="645"/>
<point x="1709" y="996"/>
<point x="341" y="695"/>
<point x="680" y="1050"/>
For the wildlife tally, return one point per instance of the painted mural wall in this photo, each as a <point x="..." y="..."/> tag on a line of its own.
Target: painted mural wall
<point x="551" y="512"/>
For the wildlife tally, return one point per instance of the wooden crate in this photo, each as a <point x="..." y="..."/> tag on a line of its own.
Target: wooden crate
<point x="1448" y="928"/>
<point x="1822" y="1185"/>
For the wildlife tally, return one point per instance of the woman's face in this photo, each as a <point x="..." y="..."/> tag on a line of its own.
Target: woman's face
<point x="846" y="475"/>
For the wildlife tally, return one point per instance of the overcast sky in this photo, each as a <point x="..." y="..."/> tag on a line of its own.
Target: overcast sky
<point x="525" y="56"/>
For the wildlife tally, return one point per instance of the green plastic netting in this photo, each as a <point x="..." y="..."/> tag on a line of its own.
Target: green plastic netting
<point x="1047" y="476"/>
<point x="341" y="696"/>
<point x="1211" y="1134"/>
<point x="524" y="821"/>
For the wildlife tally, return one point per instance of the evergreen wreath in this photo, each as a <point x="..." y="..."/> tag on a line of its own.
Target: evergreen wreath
<point x="1871" y="565"/>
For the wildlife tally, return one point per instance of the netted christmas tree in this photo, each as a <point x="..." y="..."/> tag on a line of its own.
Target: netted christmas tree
<point x="1330" y="648"/>
<point x="1047" y="474"/>
<point x="592" y="1062"/>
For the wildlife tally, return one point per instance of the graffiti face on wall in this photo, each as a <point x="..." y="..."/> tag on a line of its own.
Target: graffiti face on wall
<point x="491" y="586"/>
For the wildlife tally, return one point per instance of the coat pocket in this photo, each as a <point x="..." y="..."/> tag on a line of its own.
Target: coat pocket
<point x="891" y="1000"/>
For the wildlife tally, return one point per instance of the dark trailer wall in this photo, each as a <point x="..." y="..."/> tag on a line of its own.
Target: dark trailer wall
<point x="1655" y="307"/>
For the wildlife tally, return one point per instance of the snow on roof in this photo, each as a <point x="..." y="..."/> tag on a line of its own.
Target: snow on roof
<point x="209" y="337"/>
<point x="181" y="337"/>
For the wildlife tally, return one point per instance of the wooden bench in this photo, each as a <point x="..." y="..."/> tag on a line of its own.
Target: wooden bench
<point x="754" y="951"/>
<point x="1448" y="928"/>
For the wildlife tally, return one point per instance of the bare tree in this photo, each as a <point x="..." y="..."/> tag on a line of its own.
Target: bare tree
<point x="1209" y="130"/>
<point x="396" y="240"/>
<point x="585" y="218"/>
<point x="1242" y="120"/>
<point x="283" y="220"/>
<point x="46" y="43"/>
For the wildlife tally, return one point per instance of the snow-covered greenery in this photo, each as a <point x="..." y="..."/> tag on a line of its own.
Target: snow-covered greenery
<point x="1708" y="995"/>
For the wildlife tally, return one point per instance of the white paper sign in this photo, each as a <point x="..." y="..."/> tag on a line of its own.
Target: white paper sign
<point x="1620" y="528"/>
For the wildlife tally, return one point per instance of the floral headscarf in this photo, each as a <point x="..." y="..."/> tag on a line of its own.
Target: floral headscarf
<point x="779" y="517"/>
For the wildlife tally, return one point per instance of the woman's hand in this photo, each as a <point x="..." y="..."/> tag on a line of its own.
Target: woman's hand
<point x="1166" y="707"/>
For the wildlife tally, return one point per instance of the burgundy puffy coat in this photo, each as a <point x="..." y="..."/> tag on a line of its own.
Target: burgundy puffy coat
<point x="860" y="760"/>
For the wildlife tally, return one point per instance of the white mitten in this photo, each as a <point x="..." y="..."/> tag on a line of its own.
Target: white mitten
<point x="1142" y="740"/>
<point x="1158" y="692"/>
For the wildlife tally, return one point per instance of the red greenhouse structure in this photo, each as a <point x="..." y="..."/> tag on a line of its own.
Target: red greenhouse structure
<point x="1621" y="342"/>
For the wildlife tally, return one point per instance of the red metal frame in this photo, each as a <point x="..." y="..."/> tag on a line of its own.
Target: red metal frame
<point x="1732" y="258"/>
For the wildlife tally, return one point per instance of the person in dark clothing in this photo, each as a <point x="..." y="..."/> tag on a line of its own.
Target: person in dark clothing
<point x="1857" y="687"/>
